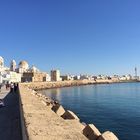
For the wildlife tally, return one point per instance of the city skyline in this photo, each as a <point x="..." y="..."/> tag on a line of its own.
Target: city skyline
<point x="30" y="67"/>
<point x="88" y="37"/>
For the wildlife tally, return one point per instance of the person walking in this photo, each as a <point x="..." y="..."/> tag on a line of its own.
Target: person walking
<point x="12" y="87"/>
<point x="15" y="87"/>
<point x="7" y="86"/>
<point x="0" y="87"/>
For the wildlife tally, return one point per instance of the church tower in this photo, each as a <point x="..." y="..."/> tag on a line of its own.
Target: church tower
<point x="1" y="62"/>
<point x="13" y="65"/>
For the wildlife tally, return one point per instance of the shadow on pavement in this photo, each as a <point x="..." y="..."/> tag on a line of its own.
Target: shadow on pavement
<point x="10" y="126"/>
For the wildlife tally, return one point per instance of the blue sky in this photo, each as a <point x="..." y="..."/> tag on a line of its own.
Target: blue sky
<point x="75" y="36"/>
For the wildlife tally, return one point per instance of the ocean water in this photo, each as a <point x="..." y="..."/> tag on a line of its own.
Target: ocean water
<point x="114" y="107"/>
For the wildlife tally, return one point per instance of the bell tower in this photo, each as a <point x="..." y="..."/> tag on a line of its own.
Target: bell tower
<point x="13" y="65"/>
<point x="1" y="62"/>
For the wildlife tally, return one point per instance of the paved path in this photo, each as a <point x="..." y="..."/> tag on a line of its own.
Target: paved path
<point x="9" y="117"/>
<point x="3" y="92"/>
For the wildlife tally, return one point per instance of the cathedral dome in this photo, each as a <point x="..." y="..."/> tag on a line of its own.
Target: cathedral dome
<point x="34" y="69"/>
<point x="24" y="65"/>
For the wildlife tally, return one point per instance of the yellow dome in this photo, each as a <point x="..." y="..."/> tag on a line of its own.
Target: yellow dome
<point x="24" y="64"/>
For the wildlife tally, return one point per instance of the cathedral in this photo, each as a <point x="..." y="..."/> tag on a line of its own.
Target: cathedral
<point x="21" y="73"/>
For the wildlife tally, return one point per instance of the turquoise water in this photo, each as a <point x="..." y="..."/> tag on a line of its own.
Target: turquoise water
<point x="114" y="107"/>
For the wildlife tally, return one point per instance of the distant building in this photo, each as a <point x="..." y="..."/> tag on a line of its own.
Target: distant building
<point x="21" y="73"/>
<point x="77" y="77"/>
<point x="34" y="69"/>
<point x="14" y="77"/>
<point x="1" y="62"/>
<point x="34" y="77"/>
<point x="86" y="77"/>
<point x="9" y="76"/>
<point x="67" y="77"/>
<point x="48" y="78"/>
<point x="55" y="75"/>
<point x="6" y="75"/>
<point x="125" y="77"/>
<point x="83" y="77"/>
<point x="136" y="77"/>
<point x="13" y="65"/>
<point x="23" y="67"/>
<point x="2" y="67"/>
<point x="114" y="78"/>
<point x="102" y="77"/>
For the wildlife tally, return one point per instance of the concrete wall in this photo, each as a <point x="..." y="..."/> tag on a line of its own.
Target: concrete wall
<point x="22" y="119"/>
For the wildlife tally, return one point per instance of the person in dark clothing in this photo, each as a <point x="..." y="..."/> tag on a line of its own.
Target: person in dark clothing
<point x="12" y="87"/>
<point x="15" y="87"/>
<point x="0" y="87"/>
<point x="7" y="86"/>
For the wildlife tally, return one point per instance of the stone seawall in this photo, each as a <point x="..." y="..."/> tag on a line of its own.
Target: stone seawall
<point x="49" y="85"/>
<point x="45" y="119"/>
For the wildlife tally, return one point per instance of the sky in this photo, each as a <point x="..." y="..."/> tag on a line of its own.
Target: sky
<point x="75" y="36"/>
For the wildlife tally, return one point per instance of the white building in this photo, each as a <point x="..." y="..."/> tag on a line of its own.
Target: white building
<point x="1" y="62"/>
<point x="34" y="69"/>
<point x="10" y="76"/>
<point x="125" y="78"/>
<point x="77" y="77"/>
<point x="2" y="67"/>
<point x="55" y="75"/>
<point x="48" y="78"/>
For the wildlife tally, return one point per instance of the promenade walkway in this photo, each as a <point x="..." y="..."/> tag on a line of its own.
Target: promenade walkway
<point x="9" y="116"/>
<point x="3" y="92"/>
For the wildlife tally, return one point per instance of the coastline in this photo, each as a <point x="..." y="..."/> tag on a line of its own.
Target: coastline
<point x="32" y="91"/>
<point x="59" y="84"/>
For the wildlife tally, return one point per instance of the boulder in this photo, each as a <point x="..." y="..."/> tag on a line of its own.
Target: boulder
<point x="91" y="132"/>
<point x="69" y="115"/>
<point x="58" y="109"/>
<point x="108" y="136"/>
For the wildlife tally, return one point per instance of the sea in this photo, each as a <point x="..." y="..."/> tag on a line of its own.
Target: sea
<point x="113" y="107"/>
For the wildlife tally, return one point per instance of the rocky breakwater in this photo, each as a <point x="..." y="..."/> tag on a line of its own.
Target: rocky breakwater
<point x="59" y="84"/>
<point x="46" y="119"/>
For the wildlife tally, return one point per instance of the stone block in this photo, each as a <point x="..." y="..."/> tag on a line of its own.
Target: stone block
<point x="43" y="96"/>
<point x="58" y="109"/>
<point x="91" y="132"/>
<point x="44" y="103"/>
<point x="33" y="92"/>
<point x="108" y="136"/>
<point x="39" y="94"/>
<point x="69" y="115"/>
